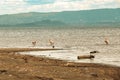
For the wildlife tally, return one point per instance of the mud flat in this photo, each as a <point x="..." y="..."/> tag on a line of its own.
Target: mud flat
<point x="26" y="49"/>
<point x="14" y="66"/>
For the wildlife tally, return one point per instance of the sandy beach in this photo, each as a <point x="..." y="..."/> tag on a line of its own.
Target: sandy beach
<point x="14" y="66"/>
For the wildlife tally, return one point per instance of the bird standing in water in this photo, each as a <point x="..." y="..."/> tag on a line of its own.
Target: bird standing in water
<point x="51" y="43"/>
<point x="106" y="41"/>
<point x="34" y="43"/>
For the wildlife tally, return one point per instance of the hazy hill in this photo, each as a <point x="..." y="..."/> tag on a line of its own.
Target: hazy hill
<point x="98" y="17"/>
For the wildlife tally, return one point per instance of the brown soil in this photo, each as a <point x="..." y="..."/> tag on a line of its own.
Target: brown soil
<point x="14" y="66"/>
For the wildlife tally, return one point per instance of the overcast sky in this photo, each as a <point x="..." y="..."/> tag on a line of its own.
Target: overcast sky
<point x="22" y="6"/>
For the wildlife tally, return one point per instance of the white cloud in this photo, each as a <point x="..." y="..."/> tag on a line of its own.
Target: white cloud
<point x="60" y="6"/>
<point x="12" y="6"/>
<point x="17" y="6"/>
<point x="104" y="4"/>
<point x="118" y="0"/>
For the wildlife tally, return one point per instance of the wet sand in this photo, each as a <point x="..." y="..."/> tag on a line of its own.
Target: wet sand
<point x="26" y="49"/>
<point x="14" y="66"/>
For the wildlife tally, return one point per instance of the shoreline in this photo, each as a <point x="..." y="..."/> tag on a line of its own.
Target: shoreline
<point x="27" y="49"/>
<point x="15" y="66"/>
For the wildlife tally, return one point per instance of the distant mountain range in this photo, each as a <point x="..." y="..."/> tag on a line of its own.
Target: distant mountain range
<point x="83" y="18"/>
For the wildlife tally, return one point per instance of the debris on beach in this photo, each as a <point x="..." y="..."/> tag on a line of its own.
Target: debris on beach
<point x="86" y="57"/>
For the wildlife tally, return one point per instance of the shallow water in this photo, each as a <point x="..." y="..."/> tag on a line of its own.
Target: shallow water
<point x="78" y="41"/>
<point x="71" y="55"/>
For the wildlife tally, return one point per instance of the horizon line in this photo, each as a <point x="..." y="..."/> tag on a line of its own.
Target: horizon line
<point x="57" y="11"/>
